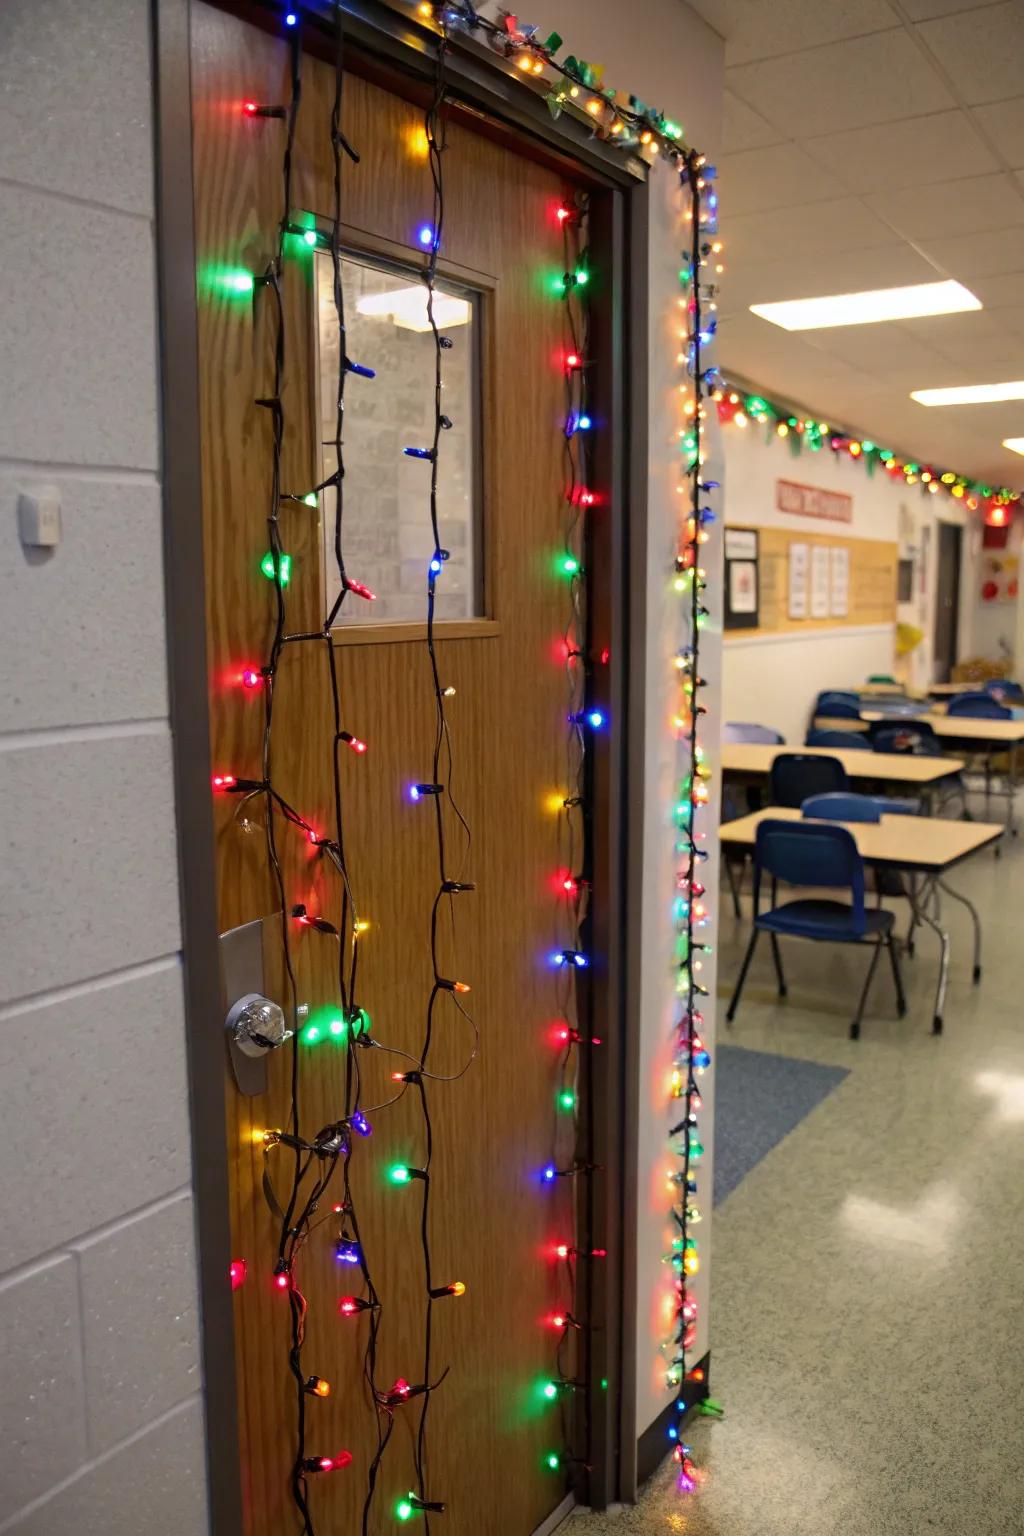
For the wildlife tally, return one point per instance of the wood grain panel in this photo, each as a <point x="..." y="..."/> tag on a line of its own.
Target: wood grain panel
<point x="493" y="1227"/>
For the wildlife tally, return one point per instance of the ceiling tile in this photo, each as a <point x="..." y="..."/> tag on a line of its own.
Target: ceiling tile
<point x="804" y="275"/>
<point x="754" y="30"/>
<point x="981" y="49"/>
<point x="827" y="226"/>
<point x="924" y="10"/>
<point x="1003" y="121"/>
<point x="866" y="80"/>
<point x="879" y="349"/>
<point x="743" y="128"/>
<point x="966" y="256"/>
<point x="758" y="179"/>
<point x="918" y="151"/>
<point x="1001" y="292"/>
<point x="978" y="203"/>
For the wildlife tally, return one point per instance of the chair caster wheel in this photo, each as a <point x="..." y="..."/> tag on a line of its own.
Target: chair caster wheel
<point x="977" y="973"/>
<point x="937" y="1024"/>
<point x="854" y="1031"/>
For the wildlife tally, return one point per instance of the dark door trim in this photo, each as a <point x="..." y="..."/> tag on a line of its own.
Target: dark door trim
<point x="386" y="43"/>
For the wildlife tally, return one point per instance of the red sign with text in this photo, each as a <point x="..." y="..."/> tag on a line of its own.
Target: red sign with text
<point x="808" y="501"/>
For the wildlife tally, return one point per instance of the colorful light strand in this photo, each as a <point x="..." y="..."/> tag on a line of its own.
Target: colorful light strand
<point x="570" y="85"/>
<point x="737" y="407"/>
<point x="691" y="1057"/>
<point x="569" y="958"/>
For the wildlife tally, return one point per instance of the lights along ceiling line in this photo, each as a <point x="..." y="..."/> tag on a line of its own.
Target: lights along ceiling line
<point x="869" y="307"/>
<point x="970" y="394"/>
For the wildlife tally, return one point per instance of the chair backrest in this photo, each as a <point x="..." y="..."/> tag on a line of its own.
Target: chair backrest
<point x="849" y="740"/>
<point x="838" y="708"/>
<point x="836" y="696"/>
<point x="842" y="806"/>
<point x="897" y="807"/>
<point x="795" y="775"/>
<point x="978" y="706"/>
<point x="1003" y="690"/>
<point x="807" y="853"/>
<point x="914" y="736"/>
<point x="735" y="731"/>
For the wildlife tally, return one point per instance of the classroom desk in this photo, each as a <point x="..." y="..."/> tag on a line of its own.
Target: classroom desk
<point x="925" y="848"/>
<point x="750" y="760"/>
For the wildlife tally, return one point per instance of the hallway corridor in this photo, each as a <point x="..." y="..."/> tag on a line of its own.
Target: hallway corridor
<point x="866" y="1315"/>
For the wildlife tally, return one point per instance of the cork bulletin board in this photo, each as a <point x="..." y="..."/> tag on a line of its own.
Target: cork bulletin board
<point x="854" y="582"/>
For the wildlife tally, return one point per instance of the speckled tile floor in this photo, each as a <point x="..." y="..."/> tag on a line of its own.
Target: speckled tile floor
<point x="868" y="1275"/>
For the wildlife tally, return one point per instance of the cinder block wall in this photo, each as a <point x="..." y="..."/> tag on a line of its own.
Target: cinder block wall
<point x="100" y="1414"/>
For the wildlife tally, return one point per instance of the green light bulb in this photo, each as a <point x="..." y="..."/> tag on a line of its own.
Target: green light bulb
<point x="284" y="566"/>
<point x="404" y="1510"/>
<point x="310" y="237"/>
<point x="337" y="1027"/>
<point x="311" y="499"/>
<point x="237" y="281"/>
<point x="312" y="1034"/>
<point x="398" y="1173"/>
<point x="567" y="1099"/>
<point x="550" y="1390"/>
<point x="570" y="565"/>
<point x="582" y="277"/>
<point x="553" y="1460"/>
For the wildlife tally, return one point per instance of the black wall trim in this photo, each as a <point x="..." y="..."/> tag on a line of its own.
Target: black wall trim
<point x="189" y="691"/>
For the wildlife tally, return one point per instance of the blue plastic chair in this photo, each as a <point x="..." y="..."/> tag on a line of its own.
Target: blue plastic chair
<point x="795" y="775"/>
<point x="978" y="706"/>
<point x="850" y="807"/>
<point x="736" y="731"/>
<point x="914" y="737"/>
<point x="836" y="696"/>
<point x="1004" y="691"/>
<point x="836" y="708"/>
<point x="808" y="854"/>
<point x="849" y="740"/>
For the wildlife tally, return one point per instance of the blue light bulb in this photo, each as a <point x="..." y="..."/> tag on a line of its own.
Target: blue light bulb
<point x="291" y="20"/>
<point x="435" y="566"/>
<point x="361" y="1124"/>
<point x="584" y="423"/>
<point x="595" y="719"/>
<point x="550" y="1173"/>
<point x="425" y="235"/>
<point x="414" y="792"/>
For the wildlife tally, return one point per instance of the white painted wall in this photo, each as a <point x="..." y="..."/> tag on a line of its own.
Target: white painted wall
<point x="100" y="1417"/>
<point x="773" y="679"/>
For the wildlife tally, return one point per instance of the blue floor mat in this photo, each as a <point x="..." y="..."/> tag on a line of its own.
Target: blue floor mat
<point x="759" y="1099"/>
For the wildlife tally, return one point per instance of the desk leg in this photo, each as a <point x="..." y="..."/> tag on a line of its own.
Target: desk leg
<point x="975" y="919"/>
<point x="1011" y="790"/>
<point x="920" y="902"/>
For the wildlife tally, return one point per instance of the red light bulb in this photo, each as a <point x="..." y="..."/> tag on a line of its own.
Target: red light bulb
<point x="348" y="1306"/>
<point x="573" y="360"/>
<point x="250" y="678"/>
<point x="562" y="214"/>
<point x="238" y="1272"/>
<point x="360" y="589"/>
<point x="356" y="744"/>
<point x="224" y="780"/>
<point x="250" y="108"/>
<point x="283" y="1281"/>
<point x="312" y="836"/>
<point x="557" y="1320"/>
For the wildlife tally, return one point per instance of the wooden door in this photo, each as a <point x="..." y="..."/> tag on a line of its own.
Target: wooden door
<point x="494" y="1222"/>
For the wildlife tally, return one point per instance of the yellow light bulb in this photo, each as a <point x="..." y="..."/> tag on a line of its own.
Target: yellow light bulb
<point x="363" y="925"/>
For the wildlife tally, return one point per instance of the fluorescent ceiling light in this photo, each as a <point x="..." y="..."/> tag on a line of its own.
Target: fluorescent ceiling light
<point x="407" y="307"/>
<point x="868" y="308"/>
<point x="970" y="394"/>
<point x="1015" y="444"/>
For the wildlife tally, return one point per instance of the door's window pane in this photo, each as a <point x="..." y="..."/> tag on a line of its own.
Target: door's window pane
<point x="387" y="536"/>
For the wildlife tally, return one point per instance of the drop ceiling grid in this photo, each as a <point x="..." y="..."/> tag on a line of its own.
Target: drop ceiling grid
<point x="901" y="124"/>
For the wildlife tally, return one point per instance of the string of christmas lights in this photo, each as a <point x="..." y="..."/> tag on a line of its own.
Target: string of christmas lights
<point x="569" y="957"/>
<point x="578" y="87"/>
<point x="691" y="1057"/>
<point x="737" y="407"/>
<point x="438" y="791"/>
